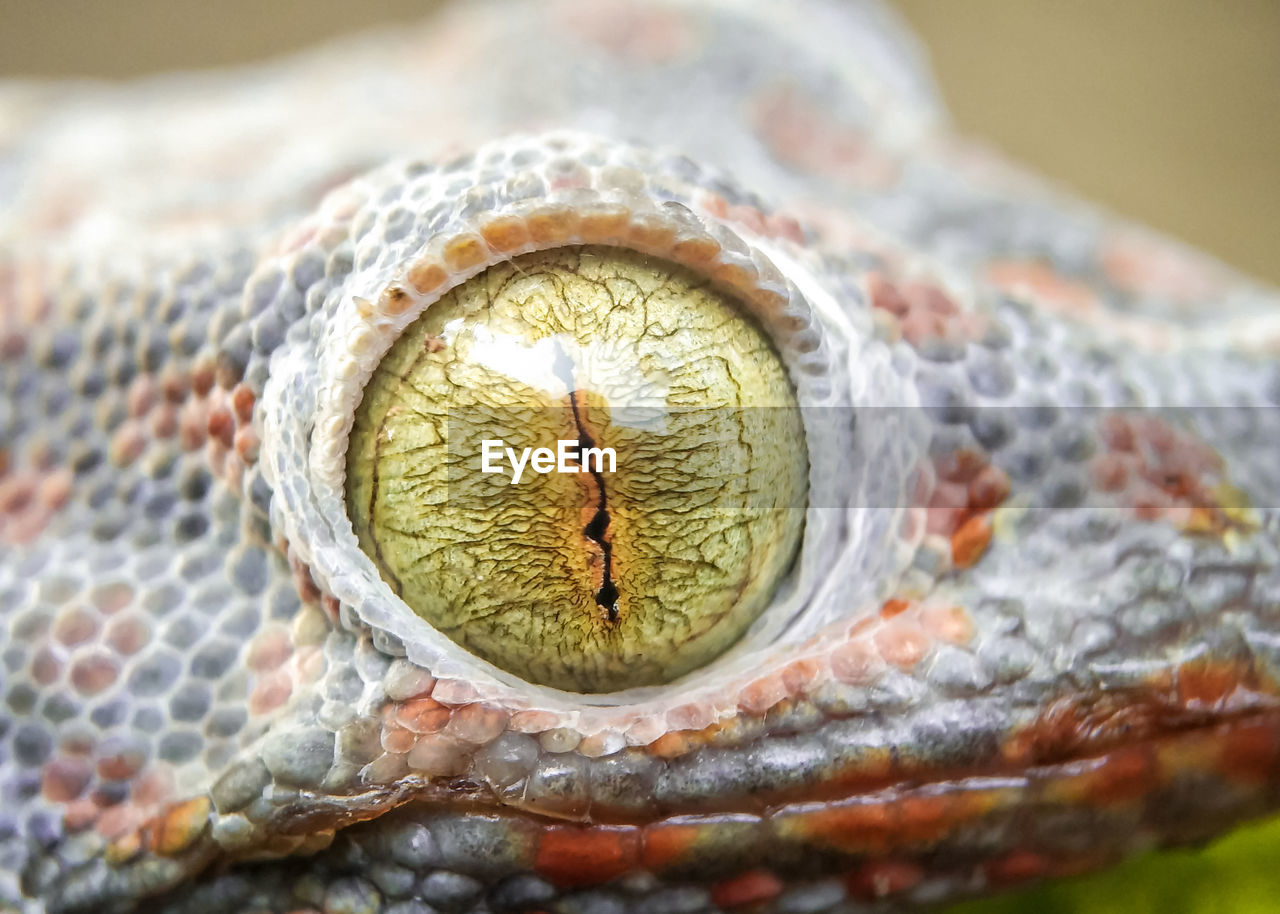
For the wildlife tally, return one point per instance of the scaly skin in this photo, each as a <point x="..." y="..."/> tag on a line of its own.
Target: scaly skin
<point x="1036" y="620"/>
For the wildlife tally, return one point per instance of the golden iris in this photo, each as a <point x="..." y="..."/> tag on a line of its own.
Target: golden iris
<point x="596" y="577"/>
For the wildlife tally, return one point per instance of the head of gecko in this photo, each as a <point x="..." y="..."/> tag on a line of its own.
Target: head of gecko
<point x="607" y="457"/>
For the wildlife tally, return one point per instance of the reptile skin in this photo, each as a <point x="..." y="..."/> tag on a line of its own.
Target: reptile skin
<point x="1034" y="626"/>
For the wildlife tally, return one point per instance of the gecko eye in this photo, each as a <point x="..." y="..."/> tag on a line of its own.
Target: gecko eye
<point x="567" y="423"/>
<point x="585" y="465"/>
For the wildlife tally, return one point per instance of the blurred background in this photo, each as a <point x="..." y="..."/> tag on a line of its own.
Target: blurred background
<point x="1167" y="111"/>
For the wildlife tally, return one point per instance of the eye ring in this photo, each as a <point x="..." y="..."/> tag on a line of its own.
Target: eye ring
<point x="621" y="196"/>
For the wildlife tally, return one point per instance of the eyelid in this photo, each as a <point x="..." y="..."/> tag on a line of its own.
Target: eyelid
<point x="588" y="191"/>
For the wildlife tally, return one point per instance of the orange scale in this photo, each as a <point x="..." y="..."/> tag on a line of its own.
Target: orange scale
<point x="738" y="276"/>
<point x="425" y="276"/>
<point x="884" y="296"/>
<point x="695" y="251"/>
<point x="651" y="233"/>
<point x="24" y="528"/>
<point x="124" y="847"/>
<point x="574" y="855"/>
<point x="93" y="673"/>
<point x="242" y="400"/>
<point x="871" y="769"/>
<point x="203" y="376"/>
<point x="423" y="715"/>
<point x="118" y="821"/>
<point x="505" y="233"/>
<point x="690" y="716"/>
<point x="74" y="625"/>
<point x="751" y="888"/>
<point x="270" y="692"/>
<point x="674" y="744"/>
<point x="80" y="814"/>
<point x="1205" y="684"/>
<point x="308" y="663"/>
<point x="925" y="820"/>
<point x="534" y="721"/>
<point x="121" y="766"/>
<point x="269" y="650"/>
<point x="857" y="663"/>
<point x="64" y="779"/>
<point x="141" y="396"/>
<point x="192" y="426"/>
<point x="247" y="444"/>
<point x="477" y="724"/>
<point x="850" y="827"/>
<point x="970" y="541"/>
<point x="988" y="488"/>
<point x="603" y="223"/>
<point x="221" y="426"/>
<point x="177" y="828"/>
<point x="437" y="756"/>
<point x="174" y="385"/>
<point x="1043" y="285"/>
<point x="902" y="644"/>
<point x="669" y="843"/>
<point x="597" y="745"/>
<point x="55" y="489"/>
<point x="769" y="301"/>
<point x="894" y="607"/>
<point x="454" y="692"/>
<point x="552" y="224"/>
<point x="759" y="695"/>
<point x="952" y="624"/>
<point x="465" y="252"/>
<point x="799" y="676"/>
<point x="127" y="444"/>
<point x="1146" y="267"/>
<point x="153" y="788"/>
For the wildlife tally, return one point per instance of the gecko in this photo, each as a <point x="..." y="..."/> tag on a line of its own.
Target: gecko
<point x="1011" y="613"/>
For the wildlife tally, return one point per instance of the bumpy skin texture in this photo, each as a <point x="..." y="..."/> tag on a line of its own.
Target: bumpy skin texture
<point x="1035" y="623"/>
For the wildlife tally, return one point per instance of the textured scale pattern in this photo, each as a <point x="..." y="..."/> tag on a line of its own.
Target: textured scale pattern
<point x="1036" y="625"/>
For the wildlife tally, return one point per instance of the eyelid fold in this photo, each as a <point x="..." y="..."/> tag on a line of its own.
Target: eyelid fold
<point x="422" y="231"/>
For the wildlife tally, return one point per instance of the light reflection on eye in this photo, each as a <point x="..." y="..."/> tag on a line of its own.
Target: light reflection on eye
<point x="578" y="577"/>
